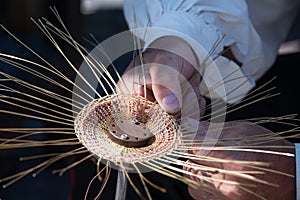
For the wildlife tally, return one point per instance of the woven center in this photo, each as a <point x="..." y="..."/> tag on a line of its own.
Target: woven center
<point x="126" y="128"/>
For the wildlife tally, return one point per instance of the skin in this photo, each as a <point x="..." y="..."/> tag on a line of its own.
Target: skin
<point x="167" y="75"/>
<point x="286" y="184"/>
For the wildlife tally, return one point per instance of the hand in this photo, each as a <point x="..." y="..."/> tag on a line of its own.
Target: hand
<point x="280" y="163"/>
<point x="169" y="78"/>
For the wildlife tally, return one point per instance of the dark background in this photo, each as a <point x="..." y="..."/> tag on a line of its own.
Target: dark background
<point x="15" y="15"/>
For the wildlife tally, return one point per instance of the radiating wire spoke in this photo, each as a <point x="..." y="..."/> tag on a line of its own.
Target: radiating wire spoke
<point x="122" y="130"/>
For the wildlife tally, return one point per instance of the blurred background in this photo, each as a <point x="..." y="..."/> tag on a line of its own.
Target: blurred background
<point x="104" y="18"/>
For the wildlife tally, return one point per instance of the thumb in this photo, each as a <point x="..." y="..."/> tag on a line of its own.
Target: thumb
<point x="166" y="87"/>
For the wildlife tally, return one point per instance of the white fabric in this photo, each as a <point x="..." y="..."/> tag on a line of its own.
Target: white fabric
<point x="254" y="29"/>
<point x="235" y="84"/>
<point x="297" y="145"/>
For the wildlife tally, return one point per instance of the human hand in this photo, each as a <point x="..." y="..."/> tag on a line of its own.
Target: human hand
<point x="231" y="137"/>
<point x="170" y="78"/>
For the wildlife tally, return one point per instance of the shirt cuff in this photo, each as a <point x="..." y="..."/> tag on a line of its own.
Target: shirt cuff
<point x="183" y="25"/>
<point x="225" y="79"/>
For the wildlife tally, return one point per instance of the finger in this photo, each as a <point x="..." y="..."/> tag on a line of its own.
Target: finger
<point x="136" y="81"/>
<point x="193" y="104"/>
<point x="166" y="87"/>
<point x="208" y="189"/>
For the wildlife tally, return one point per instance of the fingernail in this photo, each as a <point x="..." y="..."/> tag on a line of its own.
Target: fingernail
<point x="170" y="103"/>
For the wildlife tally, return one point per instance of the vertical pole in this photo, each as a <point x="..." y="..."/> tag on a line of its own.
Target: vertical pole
<point x="121" y="186"/>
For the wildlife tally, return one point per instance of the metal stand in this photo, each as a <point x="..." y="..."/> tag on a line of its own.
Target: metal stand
<point x="121" y="186"/>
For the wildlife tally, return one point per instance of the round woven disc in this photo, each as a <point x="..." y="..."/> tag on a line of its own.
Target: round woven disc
<point x="126" y="128"/>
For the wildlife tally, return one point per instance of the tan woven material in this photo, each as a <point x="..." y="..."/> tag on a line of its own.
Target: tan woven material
<point x="91" y="127"/>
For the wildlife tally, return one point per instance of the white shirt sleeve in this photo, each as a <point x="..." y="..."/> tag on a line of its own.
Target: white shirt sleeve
<point x="253" y="29"/>
<point x="297" y="145"/>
